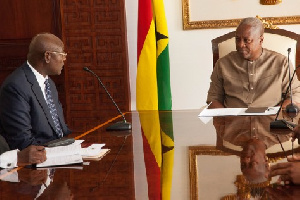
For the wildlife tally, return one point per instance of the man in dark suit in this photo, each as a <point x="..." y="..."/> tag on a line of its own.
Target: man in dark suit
<point x="30" y="111"/>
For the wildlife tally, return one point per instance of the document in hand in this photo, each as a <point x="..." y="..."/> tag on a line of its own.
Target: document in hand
<point x="62" y="155"/>
<point x="237" y="112"/>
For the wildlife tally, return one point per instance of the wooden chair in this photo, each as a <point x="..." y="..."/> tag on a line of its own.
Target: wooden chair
<point x="278" y="40"/>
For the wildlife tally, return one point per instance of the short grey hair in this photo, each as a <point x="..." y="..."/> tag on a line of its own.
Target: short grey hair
<point x="40" y="43"/>
<point x="255" y="23"/>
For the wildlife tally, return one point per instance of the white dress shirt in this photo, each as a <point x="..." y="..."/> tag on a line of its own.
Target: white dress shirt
<point x="9" y="159"/>
<point x="40" y="79"/>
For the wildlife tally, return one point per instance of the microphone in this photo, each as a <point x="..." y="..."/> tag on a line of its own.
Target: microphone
<point x="119" y="126"/>
<point x="291" y="108"/>
<point x="283" y="124"/>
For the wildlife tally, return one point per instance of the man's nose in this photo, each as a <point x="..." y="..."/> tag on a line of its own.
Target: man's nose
<point x="240" y="44"/>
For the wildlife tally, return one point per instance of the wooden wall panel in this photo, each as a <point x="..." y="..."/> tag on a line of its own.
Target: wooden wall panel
<point x="20" y="21"/>
<point x="23" y="19"/>
<point x="94" y="33"/>
<point x="95" y="36"/>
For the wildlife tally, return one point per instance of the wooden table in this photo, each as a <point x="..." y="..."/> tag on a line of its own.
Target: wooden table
<point x="173" y="156"/>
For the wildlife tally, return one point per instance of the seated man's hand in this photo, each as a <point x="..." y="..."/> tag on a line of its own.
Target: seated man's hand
<point x="294" y="158"/>
<point x="288" y="171"/>
<point x="31" y="155"/>
<point x="296" y="133"/>
<point x="279" y="192"/>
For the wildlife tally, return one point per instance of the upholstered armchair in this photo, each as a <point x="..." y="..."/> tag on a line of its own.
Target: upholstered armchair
<point x="278" y="40"/>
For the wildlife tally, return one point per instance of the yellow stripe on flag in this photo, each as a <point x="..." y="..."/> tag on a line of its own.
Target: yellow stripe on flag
<point x="151" y="127"/>
<point x="146" y="82"/>
<point x="167" y="173"/>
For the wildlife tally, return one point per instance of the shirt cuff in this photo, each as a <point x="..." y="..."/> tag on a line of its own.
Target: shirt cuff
<point x="9" y="159"/>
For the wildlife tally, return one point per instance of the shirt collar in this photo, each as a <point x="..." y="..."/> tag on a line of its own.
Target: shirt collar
<point x="39" y="77"/>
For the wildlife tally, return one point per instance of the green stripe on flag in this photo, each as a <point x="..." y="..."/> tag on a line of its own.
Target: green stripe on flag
<point x="163" y="81"/>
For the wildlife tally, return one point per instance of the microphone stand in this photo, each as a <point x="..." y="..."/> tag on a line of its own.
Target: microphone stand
<point x="119" y="126"/>
<point x="291" y="108"/>
<point x="283" y="124"/>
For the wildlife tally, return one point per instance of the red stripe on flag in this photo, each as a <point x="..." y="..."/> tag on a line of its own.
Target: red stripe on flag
<point x="145" y="17"/>
<point x="152" y="171"/>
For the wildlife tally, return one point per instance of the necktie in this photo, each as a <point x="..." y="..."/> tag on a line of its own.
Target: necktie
<point x="52" y="108"/>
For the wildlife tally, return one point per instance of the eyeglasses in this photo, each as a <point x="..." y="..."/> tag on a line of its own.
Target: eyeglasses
<point x="63" y="54"/>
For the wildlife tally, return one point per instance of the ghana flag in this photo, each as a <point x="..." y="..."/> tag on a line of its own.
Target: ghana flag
<point x="158" y="147"/>
<point x="153" y="93"/>
<point x="153" y="90"/>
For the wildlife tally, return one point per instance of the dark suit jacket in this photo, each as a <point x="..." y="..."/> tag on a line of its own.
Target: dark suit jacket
<point x="3" y="145"/>
<point x="24" y="115"/>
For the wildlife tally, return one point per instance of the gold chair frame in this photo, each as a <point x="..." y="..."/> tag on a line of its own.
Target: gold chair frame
<point x="282" y="32"/>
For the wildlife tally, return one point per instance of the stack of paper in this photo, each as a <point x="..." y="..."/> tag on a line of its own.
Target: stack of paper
<point x="235" y="112"/>
<point x="72" y="153"/>
<point x="62" y="155"/>
<point x="94" y="152"/>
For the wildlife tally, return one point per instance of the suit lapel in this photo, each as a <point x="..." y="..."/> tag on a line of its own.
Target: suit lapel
<point x="36" y="89"/>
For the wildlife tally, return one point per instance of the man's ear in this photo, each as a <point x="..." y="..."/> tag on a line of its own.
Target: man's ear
<point x="47" y="57"/>
<point x="261" y="39"/>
